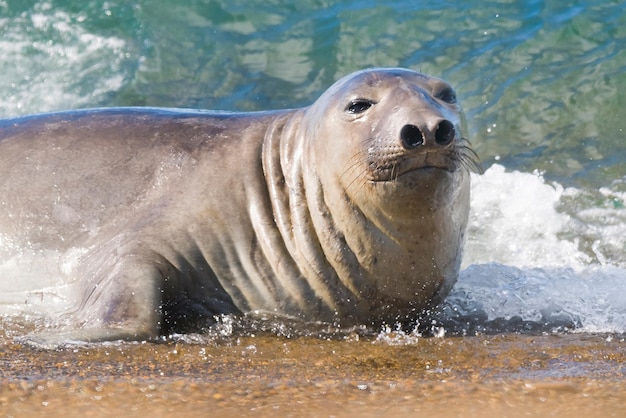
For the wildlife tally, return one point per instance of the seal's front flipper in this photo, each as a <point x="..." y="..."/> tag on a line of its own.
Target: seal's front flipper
<point x="122" y="301"/>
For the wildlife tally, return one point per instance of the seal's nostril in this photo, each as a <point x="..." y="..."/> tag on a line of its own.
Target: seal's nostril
<point x="411" y="136"/>
<point x="445" y="133"/>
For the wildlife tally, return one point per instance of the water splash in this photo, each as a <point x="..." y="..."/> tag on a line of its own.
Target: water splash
<point x="514" y="221"/>
<point x="52" y="62"/>
<point x="541" y="257"/>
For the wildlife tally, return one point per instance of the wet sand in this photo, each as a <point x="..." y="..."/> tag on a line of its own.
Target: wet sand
<point x="504" y="375"/>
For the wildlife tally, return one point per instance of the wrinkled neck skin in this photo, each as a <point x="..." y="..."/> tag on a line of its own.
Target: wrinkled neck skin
<point x="371" y="252"/>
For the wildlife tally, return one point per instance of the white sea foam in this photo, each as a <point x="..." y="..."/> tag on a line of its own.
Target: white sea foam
<point x="48" y="59"/>
<point x="544" y="256"/>
<point x="36" y="281"/>
<point x="514" y="221"/>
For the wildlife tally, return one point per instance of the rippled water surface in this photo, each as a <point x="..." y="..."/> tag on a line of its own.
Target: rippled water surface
<point x="544" y="91"/>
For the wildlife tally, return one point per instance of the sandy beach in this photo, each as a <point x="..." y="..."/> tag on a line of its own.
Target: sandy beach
<point x="262" y="376"/>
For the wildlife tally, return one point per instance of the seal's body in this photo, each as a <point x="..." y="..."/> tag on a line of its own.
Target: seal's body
<point x="352" y="210"/>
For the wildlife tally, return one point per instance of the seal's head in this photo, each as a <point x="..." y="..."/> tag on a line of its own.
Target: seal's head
<point x="388" y="143"/>
<point x="394" y="133"/>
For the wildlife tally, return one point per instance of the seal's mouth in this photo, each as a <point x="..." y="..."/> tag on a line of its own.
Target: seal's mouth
<point x="393" y="164"/>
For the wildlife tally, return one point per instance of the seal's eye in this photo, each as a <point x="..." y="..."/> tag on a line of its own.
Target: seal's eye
<point x="359" y="106"/>
<point x="447" y="95"/>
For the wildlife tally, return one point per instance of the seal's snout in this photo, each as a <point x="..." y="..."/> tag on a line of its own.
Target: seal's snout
<point x="413" y="137"/>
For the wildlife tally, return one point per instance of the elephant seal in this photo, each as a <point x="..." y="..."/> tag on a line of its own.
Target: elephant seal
<point x="352" y="210"/>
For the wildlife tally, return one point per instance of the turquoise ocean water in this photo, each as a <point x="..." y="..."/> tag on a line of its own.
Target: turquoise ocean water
<point x="543" y="85"/>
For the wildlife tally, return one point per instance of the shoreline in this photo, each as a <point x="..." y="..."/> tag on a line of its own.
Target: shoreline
<point x="501" y="375"/>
